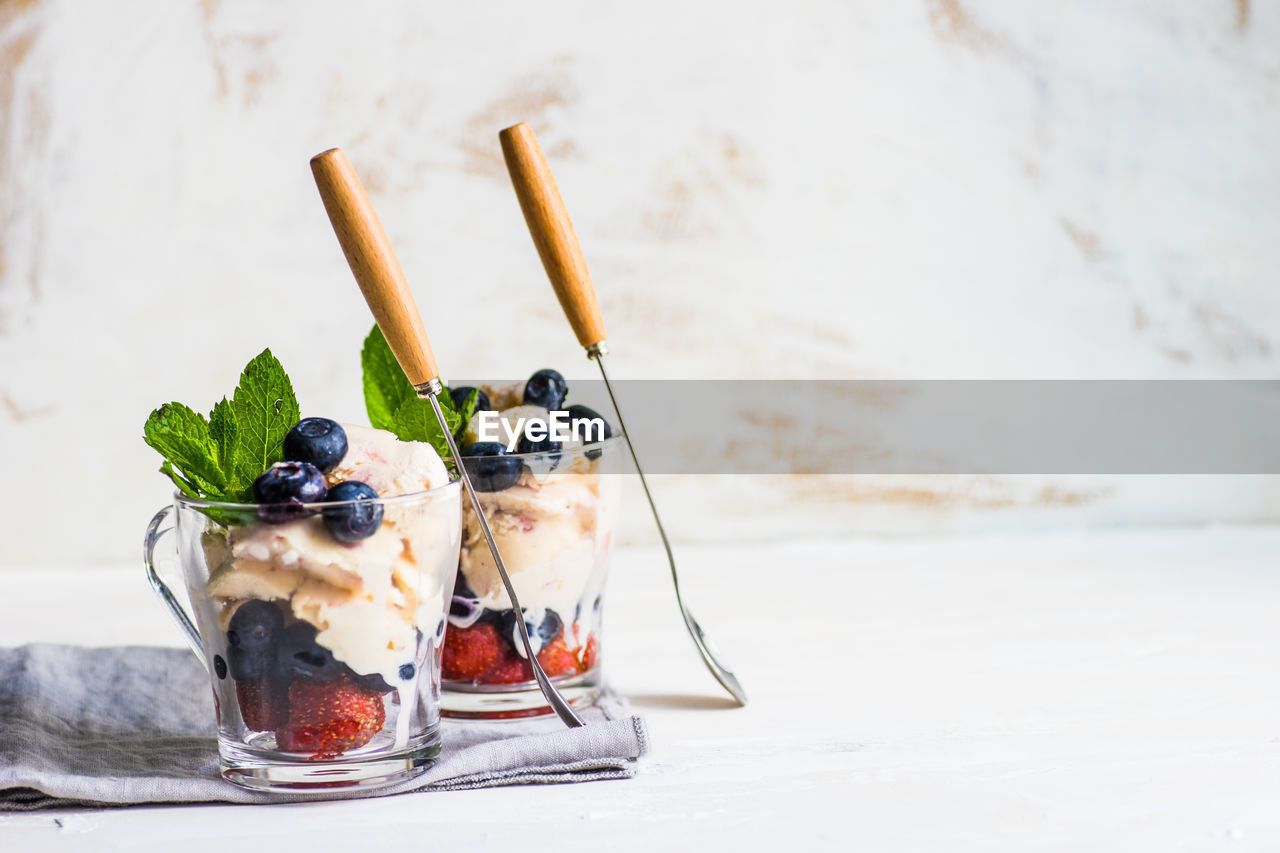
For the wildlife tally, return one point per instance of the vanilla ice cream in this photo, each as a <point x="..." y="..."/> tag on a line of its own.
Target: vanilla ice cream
<point x="391" y="466"/>
<point x="548" y="530"/>
<point x="367" y="599"/>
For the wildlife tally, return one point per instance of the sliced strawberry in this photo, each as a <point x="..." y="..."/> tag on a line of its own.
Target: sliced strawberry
<point x="264" y="705"/>
<point x="589" y="653"/>
<point x="326" y="720"/>
<point x="556" y="659"/>
<point x="471" y="652"/>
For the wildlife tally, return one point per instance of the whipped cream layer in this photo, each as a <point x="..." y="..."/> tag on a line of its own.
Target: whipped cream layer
<point x="549" y="530"/>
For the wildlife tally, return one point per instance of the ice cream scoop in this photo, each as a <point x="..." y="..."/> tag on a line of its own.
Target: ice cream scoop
<point x="383" y="284"/>
<point x="562" y="257"/>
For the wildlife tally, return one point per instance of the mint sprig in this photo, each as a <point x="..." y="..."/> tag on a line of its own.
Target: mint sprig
<point x="386" y="387"/>
<point x="182" y="436"/>
<point x="264" y="409"/>
<point x="217" y="458"/>
<point x="394" y="405"/>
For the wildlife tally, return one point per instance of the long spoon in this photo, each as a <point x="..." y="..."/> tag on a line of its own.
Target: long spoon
<point x="562" y="257"/>
<point x="383" y="284"/>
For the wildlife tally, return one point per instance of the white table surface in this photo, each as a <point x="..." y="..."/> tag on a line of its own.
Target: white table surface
<point x="1109" y="690"/>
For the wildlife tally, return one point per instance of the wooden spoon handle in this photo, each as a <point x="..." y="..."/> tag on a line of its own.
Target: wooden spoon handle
<point x="552" y="232"/>
<point x="374" y="264"/>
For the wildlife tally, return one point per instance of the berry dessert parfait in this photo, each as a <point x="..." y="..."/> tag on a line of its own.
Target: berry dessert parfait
<point x="552" y="507"/>
<point x="319" y="606"/>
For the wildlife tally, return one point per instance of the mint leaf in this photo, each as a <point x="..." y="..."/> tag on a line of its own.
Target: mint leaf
<point x="393" y="404"/>
<point x="182" y="437"/>
<point x="468" y="410"/>
<point x="386" y="388"/>
<point x="184" y="485"/>
<point x="218" y="458"/>
<point x="263" y="409"/>
<point x="415" y="421"/>
<point x="224" y="432"/>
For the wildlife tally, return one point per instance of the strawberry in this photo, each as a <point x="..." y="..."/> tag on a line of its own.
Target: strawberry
<point x="471" y="652"/>
<point x="589" y="653"/>
<point x="264" y="705"/>
<point x="556" y="659"/>
<point x="512" y="670"/>
<point x="326" y="720"/>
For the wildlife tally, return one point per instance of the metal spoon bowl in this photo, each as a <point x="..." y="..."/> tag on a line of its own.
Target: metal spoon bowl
<point x="722" y="673"/>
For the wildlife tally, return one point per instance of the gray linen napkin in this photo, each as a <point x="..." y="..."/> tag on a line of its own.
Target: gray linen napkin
<point x="130" y="725"/>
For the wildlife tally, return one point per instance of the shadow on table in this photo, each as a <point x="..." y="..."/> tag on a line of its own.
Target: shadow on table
<point x="681" y="702"/>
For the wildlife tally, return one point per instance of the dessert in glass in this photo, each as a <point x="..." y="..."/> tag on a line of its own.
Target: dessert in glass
<point x="552" y="507"/>
<point x="319" y="602"/>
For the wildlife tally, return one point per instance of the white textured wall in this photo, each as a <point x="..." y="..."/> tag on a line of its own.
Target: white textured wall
<point x="941" y="188"/>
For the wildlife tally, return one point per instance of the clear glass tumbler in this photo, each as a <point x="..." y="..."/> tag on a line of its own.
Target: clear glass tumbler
<point x="323" y="656"/>
<point x="553" y="517"/>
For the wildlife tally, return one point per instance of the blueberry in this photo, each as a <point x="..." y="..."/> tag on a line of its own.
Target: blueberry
<point x="489" y="466"/>
<point x="588" y="429"/>
<point x="507" y="630"/>
<point x="460" y="394"/>
<point x="255" y="626"/>
<point x="302" y="657"/>
<point x="407" y="671"/>
<point x="546" y="388"/>
<point x="464" y="607"/>
<point x="548" y="446"/>
<point x="219" y="667"/>
<point x="320" y="441"/>
<point x="284" y="488"/>
<point x="374" y="682"/>
<point x="464" y="612"/>
<point x="543" y="627"/>
<point x="550" y="626"/>
<point x="250" y="664"/>
<point x="253" y="635"/>
<point x="358" y="517"/>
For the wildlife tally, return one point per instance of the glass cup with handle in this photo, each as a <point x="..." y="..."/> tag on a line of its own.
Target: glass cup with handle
<point x="324" y="656"/>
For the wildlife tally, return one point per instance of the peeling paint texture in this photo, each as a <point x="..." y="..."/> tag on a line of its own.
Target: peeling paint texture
<point x="918" y="189"/>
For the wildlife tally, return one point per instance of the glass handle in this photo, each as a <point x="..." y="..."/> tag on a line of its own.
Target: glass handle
<point x="155" y="532"/>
